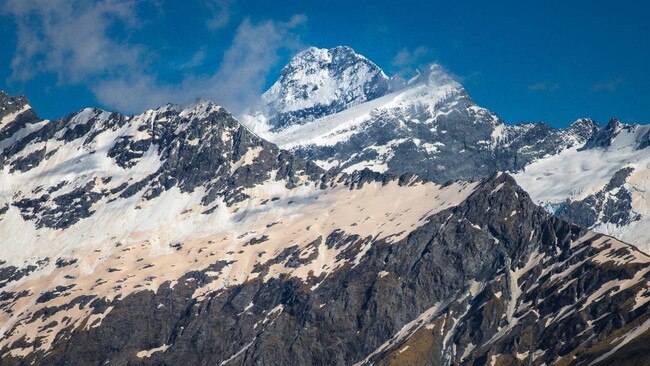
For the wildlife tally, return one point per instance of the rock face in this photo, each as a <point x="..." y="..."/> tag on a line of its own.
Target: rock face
<point x="605" y="136"/>
<point x="612" y="204"/>
<point x="15" y="115"/>
<point x="431" y="127"/>
<point x="476" y="274"/>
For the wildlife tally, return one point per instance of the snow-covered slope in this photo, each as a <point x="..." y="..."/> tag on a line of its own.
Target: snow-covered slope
<point x="602" y="185"/>
<point x="426" y="91"/>
<point x="95" y="167"/>
<point x="424" y="125"/>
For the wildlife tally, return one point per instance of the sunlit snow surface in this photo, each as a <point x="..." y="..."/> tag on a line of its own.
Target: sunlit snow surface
<point x="112" y="243"/>
<point x="317" y="81"/>
<point x="575" y="174"/>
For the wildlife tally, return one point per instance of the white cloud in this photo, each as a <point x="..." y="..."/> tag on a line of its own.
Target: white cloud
<point x="544" y="86"/>
<point x="408" y="58"/>
<point x="134" y="94"/>
<point x="220" y="13"/>
<point x="254" y="51"/>
<point x="69" y="38"/>
<point x="195" y="61"/>
<point x="236" y="84"/>
<point x="610" y="85"/>
<point x="73" y="40"/>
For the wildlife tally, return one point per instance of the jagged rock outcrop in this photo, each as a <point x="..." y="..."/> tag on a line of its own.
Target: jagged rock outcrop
<point x="93" y="157"/>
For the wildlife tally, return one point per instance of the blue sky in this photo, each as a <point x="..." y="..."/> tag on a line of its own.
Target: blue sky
<point x="552" y="61"/>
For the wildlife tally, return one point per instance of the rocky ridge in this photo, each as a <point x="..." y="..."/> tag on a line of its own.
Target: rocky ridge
<point x="486" y="278"/>
<point x="430" y="126"/>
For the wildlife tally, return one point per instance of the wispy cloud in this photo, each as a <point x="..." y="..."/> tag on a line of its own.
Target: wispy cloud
<point x="236" y="84"/>
<point x="610" y="85"/>
<point x="410" y="58"/>
<point x="254" y="51"/>
<point x="407" y="61"/>
<point x="195" y="61"/>
<point x="74" y="40"/>
<point x="472" y="76"/>
<point x="69" y="38"/>
<point x="544" y="86"/>
<point x="221" y="10"/>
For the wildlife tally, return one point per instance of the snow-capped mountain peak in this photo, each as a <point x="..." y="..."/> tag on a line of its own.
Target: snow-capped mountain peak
<point x="17" y="119"/>
<point x="399" y="124"/>
<point x="11" y="108"/>
<point x="584" y="123"/>
<point x="9" y="105"/>
<point x="200" y="108"/>
<point x="605" y="136"/>
<point x="317" y="82"/>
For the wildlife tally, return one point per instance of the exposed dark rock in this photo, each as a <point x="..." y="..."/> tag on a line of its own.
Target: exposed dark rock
<point x="259" y="240"/>
<point x="47" y="296"/>
<point x="12" y="105"/>
<point x="603" y="138"/>
<point x="61" y="211"/>
<point x="11" y="273"/>
<point x="127" y="152"/>
<point x="462" y="262"/>
<point x="612" y="204"/>
<point x="62" y="262"/>
<point x="28" y="162"/>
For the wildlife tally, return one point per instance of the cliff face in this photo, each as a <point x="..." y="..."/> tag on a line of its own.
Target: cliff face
<point x="492" y="278"/>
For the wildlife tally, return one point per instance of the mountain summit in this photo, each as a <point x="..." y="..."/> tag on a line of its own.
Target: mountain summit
<point x="318" y="82"/>
<point x="341" y="111"/>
